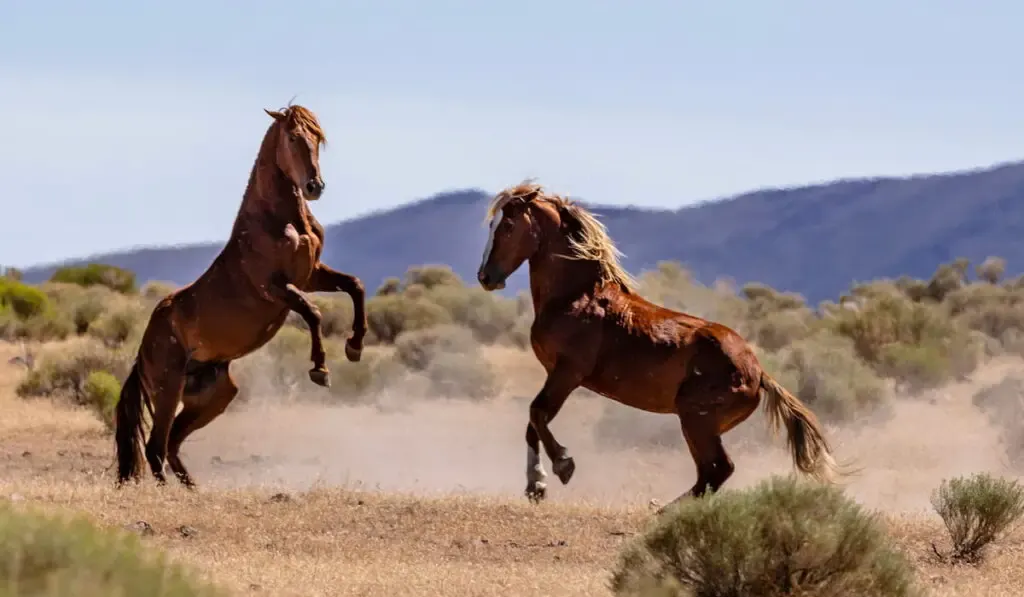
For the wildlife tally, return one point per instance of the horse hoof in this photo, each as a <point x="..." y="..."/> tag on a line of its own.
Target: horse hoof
<point x="352" y="353"/>
<point x="320" y="377"/>
<point x="536" y="492"/>
<point x="564" y="468"/>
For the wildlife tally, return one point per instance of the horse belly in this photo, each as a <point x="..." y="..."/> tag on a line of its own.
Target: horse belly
<point x="644" y="383"/>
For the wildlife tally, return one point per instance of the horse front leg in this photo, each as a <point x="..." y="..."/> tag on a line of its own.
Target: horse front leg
<point x="544" y="408"/>
<point x="326" y="279"/>
<point x="300" y="303"/>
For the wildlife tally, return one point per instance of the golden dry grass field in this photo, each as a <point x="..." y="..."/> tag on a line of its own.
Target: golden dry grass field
<point x="423" y="497"/>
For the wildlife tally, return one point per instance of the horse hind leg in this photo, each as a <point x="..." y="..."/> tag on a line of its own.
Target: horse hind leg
<point x="207" y="394"/>
<point x="166" y="363"/>
<point x="703" y="423"/>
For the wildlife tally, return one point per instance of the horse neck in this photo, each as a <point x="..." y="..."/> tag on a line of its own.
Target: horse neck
<point x="556" y="280"/>
<point x="269" y="192"/>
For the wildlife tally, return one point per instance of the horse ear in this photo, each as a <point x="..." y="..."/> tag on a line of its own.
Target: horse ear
<point x="274" y="114"/>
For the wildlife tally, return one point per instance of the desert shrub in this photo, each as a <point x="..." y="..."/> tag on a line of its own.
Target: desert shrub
<point x="101" y="392"/>
<point x="43" y="556"/>
<point x="63" y="370"/>
<point x="117" y="325"/>
<point x="448" y="358"/>
<point x="824" y="371"/>
<point x="113" y="277"/>
<point x="976" y="511"/>
<point x="991" y="270"/>
<point x="417" y="348"/>
<point x="489" y="316"/>
<point x="947" y="278"/>
<point x="671" y="285"/>
<point x="23" y="300"/>
<point x="390" y="315"/>
<point x="156" y="291"/>
<point x="912" y="342"/>
<point x="772" y="330"/>
<point x="432" y="276"/>
<point x="779" y="538"/>
<point x="469" y="376"/>
<point x="44" y="327"/>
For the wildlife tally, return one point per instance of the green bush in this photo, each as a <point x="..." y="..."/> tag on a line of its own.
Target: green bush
<point x="119" y="324"/>
<point x="915" y="343"/>
<point x="783" y="537"/>
<point x="101" y="392"/>
<point x="113" y="277"/>
<point x="42" y="556"/>
<point x="24" y="300"/>
<point x="63" y="370"/>
<point x="976" y="511"/>
<point x="389" y="315"/>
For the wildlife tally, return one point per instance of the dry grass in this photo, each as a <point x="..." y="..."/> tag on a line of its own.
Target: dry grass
<point x="395" y="528"/>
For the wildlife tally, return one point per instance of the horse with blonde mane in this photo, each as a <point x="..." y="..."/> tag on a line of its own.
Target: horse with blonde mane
<point x="592" y="329"/>
<point x="237" y="305"/>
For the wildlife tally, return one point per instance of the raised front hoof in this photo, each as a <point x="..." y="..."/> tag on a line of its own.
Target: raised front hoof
<point x="564" y="469"/>
<point x="352" y="353"/>
<point x="321" y="377"/>
<point x="536" y="492"/>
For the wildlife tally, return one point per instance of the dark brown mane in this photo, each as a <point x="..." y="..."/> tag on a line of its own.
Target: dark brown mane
<point x="590" y="241"/>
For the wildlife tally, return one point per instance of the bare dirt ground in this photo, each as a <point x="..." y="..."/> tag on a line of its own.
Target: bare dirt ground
<point x="424" y="497"/>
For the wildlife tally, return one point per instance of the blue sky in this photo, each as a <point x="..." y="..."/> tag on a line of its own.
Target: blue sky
<point x="137" y="123"/>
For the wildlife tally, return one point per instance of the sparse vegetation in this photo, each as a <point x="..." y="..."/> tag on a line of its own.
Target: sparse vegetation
<point x="433" y="336"/>
<point x="845" y="358"/>
<point x="977" y="510"/>
<point x="780" y="538"/>
<point x="44" y="556"/>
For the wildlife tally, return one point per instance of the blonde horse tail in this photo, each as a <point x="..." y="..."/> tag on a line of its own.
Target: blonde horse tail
<point x="811" y="452"/>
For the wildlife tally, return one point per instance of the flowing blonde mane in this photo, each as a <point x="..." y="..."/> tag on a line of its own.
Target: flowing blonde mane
<point x="305" y="118"/>
<point x="592" y="243"/>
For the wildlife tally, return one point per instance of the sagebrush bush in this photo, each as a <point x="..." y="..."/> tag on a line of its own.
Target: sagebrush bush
<point x="976" y="511"/>
<point x="44" y="556"/>
<point x="916" y="343"/>
<point x="23" y="300"/>
<point x="824" y="371"/>
<point x="63" y="370"/>
<point x="782" y="537"/>
<point x="390" y="315"/>
<point x="101" y="392"/>
<point x="416" y="349"/>
<point x="113" y="277"/>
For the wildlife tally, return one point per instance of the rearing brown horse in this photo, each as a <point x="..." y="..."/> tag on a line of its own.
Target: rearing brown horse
<point x="237" y="305"/>
<point x="592" y="329"/>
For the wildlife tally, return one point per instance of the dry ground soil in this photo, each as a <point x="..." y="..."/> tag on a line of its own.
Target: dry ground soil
<point x="424" y="498"/>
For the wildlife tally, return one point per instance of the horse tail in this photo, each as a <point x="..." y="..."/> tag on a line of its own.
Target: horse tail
<point x="811" y="452"/>
<point x="128" y="424"/>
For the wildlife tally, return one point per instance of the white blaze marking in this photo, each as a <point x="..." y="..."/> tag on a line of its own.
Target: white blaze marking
<point x="534" y="467"/>
<point x="490" y="237"/>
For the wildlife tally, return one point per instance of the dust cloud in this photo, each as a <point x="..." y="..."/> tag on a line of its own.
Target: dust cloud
<point x="406" y="443"/>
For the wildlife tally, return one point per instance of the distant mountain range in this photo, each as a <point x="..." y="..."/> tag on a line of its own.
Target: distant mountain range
<point x="814" y="239"/>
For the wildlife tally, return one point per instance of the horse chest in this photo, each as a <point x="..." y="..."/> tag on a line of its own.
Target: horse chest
<point x="303" y="252"/>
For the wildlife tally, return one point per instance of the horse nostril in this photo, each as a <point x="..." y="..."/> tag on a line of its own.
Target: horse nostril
<point x="312" y="187"/>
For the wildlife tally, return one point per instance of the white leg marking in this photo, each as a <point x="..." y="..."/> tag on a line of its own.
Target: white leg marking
<point x="534" y="468"/>
<point x="490" y="237"/>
